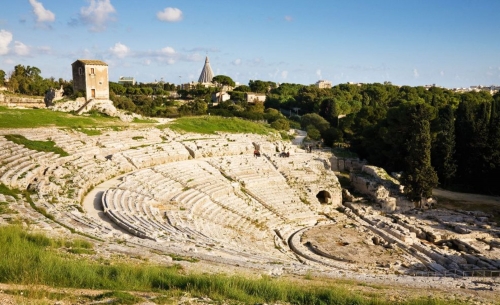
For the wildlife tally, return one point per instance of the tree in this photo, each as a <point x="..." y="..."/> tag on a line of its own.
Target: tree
<point x="237" y="96"/>
<point x="118" y="89"/>
<point x="494" y="146"/>
<point x="281" y="124"/>
<point x="261" y="86"/>
<point x="313" y="133"/>
<point x="332" y="135"/>
<point x="314" y="120"/>
<point x="2" y="77"/>
<point x="443" y="148"/>
<point x="419" y="177"/>
<point x="256" y="107"/>
<point x="472" y="127"/>
<point x="242" y="88"/>
<point x="272" y="115"/>
<point x="196" y="107"/>
<point x="222" y="81"/>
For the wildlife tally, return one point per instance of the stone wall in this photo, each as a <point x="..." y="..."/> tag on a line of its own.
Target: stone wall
<point x="340" y="164"/>
<point x="16" y="101"/>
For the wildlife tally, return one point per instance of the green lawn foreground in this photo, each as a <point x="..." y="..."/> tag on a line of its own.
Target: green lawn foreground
<point x="35" y="259"/>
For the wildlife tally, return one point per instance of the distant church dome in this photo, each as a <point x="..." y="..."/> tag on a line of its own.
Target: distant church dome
<point x="206" y="74"/>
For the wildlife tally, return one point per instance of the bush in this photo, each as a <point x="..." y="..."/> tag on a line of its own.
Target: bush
<point x="332" y="135"/>
<point x="313" y="133"/>
<point x="280" y="124"/>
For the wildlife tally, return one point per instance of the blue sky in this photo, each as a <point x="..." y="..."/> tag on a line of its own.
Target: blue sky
<point x="408" y="42"/>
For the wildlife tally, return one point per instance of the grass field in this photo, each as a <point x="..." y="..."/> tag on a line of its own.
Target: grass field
<point x="35" y="259"/>
<point x="32" y="118"/>
<point x="213" y="124"/>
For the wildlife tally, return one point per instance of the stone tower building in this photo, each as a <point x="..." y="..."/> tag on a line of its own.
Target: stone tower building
<point x="91" y="77"/>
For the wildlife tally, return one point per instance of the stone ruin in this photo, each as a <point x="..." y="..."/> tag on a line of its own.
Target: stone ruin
<point x="208" y="197"/>
<point x="381" y="188"/>
<point x="375" y="183"/>
<point x="53" y="95"/>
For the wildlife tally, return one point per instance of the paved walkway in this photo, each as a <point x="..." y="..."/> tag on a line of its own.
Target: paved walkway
<point x="300" y="136"/>
<point x="477" y="198"/>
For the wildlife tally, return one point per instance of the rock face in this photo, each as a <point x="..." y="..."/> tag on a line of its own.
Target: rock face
<point x="69" y="106"/>
<point x="377" y="184"/>
<point x="80" y="106"/>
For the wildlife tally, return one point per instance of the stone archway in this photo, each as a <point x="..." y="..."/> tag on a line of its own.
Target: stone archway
<point x="324" y="197"/>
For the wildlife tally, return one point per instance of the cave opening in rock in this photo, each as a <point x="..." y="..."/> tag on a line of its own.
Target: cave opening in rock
<point x="324" y="197"/>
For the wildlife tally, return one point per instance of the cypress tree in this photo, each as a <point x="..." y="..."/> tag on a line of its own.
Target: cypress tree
<point x="494" y="148"/>
<point x="464" y="136"/>
<point x="443" y="150"/>
<point x="419" y="177"/>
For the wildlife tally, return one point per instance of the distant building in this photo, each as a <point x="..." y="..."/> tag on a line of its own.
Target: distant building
<point x="91" y="77"/>
<point x="220" y="97"/>
<point x="206" y="75"/>
<point x="322" y="84"/>
<point x="194" y="85"/>
<point x="253" y="97"/>
<point x="126" y="80"/>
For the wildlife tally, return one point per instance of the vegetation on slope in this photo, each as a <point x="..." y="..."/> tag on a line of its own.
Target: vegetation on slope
<point x="46" y="146"/>
<point x="33" y="118"/>
<point x="213" y="124"/>
<point x="34" y="259"/>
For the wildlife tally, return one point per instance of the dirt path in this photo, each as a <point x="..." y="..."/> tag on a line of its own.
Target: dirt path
<point x="466" y="197"/>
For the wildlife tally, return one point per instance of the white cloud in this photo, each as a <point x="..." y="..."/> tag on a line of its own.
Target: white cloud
<point x="170" y="14"/>
<point x="21" y="49"/>
<point x="119" y="50"/>
<point x="289" y="18"/>
<point x="415" y="73"/>
<point x="318" y="73"/>
<point x="5" y="39"/>
<point x="193" y="57"/>
<point x="284" y="74"/>
<point x="441" y="73"/>
<point x="42" y="15"/>
<point x="97" y="14"/>
<point x="236" y="62"/>
<point x="168" y="51"/>
<point x="44" y="50"/>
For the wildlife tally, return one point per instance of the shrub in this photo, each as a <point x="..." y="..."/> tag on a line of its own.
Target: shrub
<point x="280" y="124"/>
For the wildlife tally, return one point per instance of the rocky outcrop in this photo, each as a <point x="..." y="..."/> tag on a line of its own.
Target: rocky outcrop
<point x="69" y="106"/>
<point x="378" y="185"/>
